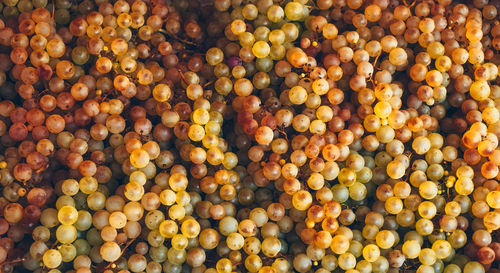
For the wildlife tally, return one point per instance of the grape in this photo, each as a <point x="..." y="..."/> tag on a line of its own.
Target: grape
<point x="293" y="11"/>
<point x="411" y="249"/>
<point x="110" y="251"/>
<point x="153" y="136"/>
<point x="52" y="258"/>
<point x="67" y="215"/>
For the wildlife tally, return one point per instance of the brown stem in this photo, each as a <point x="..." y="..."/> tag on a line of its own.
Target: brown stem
<point x="13" y="261"/>
<point x="374" y="65"/>
<point x="178" y="38"/>
<point x="207" y="84"/>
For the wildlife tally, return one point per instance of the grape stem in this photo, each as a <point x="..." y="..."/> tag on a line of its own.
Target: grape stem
<point x="282" y="131"/>
<point x="374" y="66"/>
<point x="412" y="4"/>
<point x="127" y="245"/>
<point x="208" y="83"/>
<point x="179" y="38"/>
<point x="53" y="8"/>
<point x="182" y="76"/>
<point x="13" y="261"/>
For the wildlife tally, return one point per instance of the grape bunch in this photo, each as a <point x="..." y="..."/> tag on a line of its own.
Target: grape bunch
<point x="266" y="136"/>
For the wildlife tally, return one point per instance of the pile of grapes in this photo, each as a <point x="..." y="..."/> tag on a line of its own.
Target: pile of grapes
<point x="262" y="136"/>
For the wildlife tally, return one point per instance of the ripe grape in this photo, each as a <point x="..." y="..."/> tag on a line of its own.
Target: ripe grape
<point x="261" y="136"/>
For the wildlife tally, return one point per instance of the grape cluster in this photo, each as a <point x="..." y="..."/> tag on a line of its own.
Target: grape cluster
<point x="257" y="136"/>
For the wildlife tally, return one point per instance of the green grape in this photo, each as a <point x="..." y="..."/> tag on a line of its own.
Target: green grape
<point x="82" y="247"/>
<point x="66" y="234"/>
<point x="68" y="252"/>
<point x="294" y="11"/>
